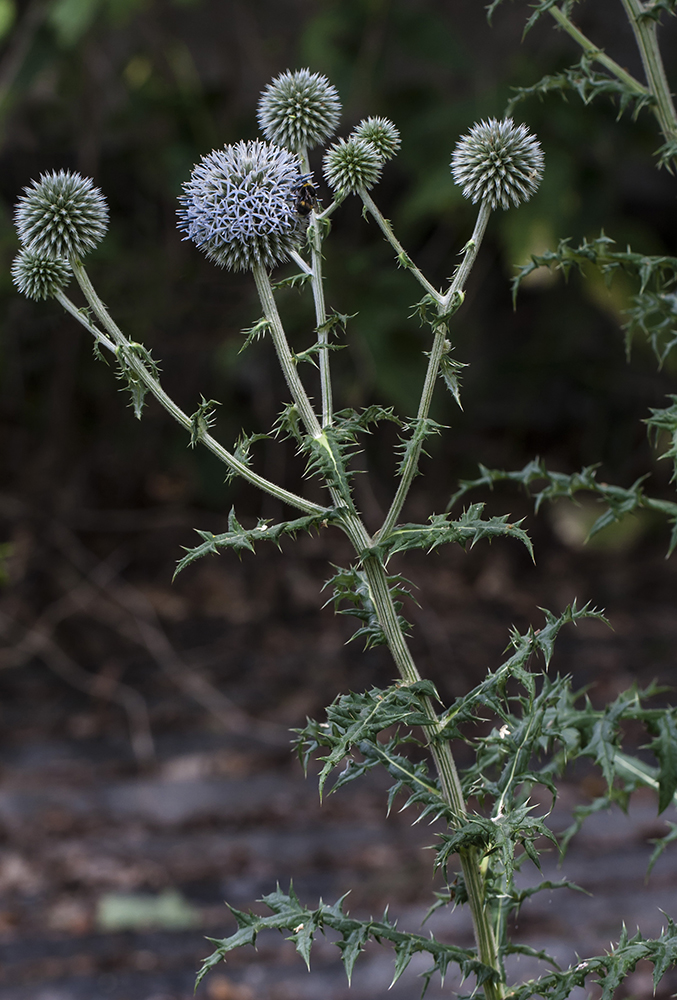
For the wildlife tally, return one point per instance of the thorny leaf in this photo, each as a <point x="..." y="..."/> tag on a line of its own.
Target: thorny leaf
<point x="127" y="374"/>
<point x="468" y="529"/>
<point x="239" y="538"/>
<point x="202" y="420"/>
<point x="620" y="501"/>
<point x="288" y="914"/>
<point x="588" y="84"/>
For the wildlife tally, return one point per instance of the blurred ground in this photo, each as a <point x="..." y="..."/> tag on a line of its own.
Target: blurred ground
<point x="146" y="766"/>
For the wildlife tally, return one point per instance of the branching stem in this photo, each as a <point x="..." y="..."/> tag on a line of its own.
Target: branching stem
<point x="114" y="341"/>
<point x="284" y="355"/>
<point x="403" y="257"/>
<point x="598" y="54"/>
<point x="445" y="304"/>
<point x="118" y="340"/>
<point x="645" y="30"/>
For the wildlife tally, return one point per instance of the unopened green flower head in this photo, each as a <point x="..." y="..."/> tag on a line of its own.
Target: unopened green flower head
<point x="299" y="110"/>
<point x="61" y="215"/>
<point x="381" y="133"/>
<point x="498" y="161"/>
<point x="39" y="277"/>
<point x="239" y="205"/>
<point x="351" y="164"/>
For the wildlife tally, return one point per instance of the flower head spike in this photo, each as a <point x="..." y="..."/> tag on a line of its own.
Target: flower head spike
<point x="352" y="164"/>
<point x="239" y="205"/>
<point x="299" y="109"/>
<point x="382" y="134"/>
<point x="39" y="277"/>
<point x="61" y="215"/>
<point x="498" y="161"/>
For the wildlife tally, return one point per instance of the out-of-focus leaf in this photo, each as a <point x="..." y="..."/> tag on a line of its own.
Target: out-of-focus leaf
<point x="70" y="19"/>
<point x="7" y="16"/>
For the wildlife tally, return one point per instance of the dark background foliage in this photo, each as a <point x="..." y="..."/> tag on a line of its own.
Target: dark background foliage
<point x="132" y="93"/>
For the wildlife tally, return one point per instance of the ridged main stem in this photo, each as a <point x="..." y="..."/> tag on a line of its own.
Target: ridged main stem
<point x="446" y="769"/>
<point x="645" y="30"/>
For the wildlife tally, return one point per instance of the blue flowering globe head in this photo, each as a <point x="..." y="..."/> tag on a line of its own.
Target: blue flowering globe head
<point x="239" y="205"/>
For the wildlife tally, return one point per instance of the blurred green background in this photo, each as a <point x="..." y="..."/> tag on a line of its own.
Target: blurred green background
<point x="133" y="92"/>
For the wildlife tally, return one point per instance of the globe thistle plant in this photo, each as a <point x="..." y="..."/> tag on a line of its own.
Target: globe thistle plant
<point x="381" y="133"/>
<point x="299" y="110"/>
<point x="351" y="165"/>
<point x="61" y="215"/>
<point x="239" y="205"/>
<point x="40" y="277"/>
<point x="498" y="162"/>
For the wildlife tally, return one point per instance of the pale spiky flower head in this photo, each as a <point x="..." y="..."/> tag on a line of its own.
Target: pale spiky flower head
<point x="239" y="205"/>
<point x="352" y="164"/>
<point x="40" y="277"/>
<point x="381" y="133"/>
<point x="61" y="215"/>
<point x="299" y="110"/>
<point x="498" y="161"/>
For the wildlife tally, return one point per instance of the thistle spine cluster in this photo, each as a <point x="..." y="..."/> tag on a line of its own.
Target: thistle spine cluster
<point x="61" y="215"/>
<point x="381" y="133"/>
<point x="39" y="277"/>
<point x="239" y="205"/>
<point x="299" y="110"/>
<point x="352" y="164"/>
<point x="499" y="162"/>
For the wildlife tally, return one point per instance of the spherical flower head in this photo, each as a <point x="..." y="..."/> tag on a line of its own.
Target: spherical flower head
<point x="40" y="277"/>
<point x="382" y="134"/>
<point x="352" y="164"/>
<point x="498" y="161"/>
<point x="299" y="109"/>
<point x="239" y="205"/>
<point x="61" y="215"/>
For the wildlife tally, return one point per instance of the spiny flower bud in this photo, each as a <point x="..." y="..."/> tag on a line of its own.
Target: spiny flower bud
<point x="299" y="109"/>
<point x="352" y="164"/>
<point x="499" y="162"/>
<point x="239" y="205"/>
<point x="381" y="133"/>
<point x="61" y="215"/>
<point x="39" y="277"/>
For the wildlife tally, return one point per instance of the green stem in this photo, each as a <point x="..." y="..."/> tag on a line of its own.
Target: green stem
<point x="385" y="609"/>
<point x="284" y="355"/>
<point x="321" y="320"/>
<point x="446" y="303"/>
<point x="446" y="768"/>
<point x="320" y="310"/>
<point x="598" y="54"/>
<point x="118" y="340"/>
<point x="402" y="256"/>
<point x="470" y="252"/>
<point x="645" y="30"/>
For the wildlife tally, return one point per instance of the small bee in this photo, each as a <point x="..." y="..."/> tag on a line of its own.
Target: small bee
<point x="306" y="199"/>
